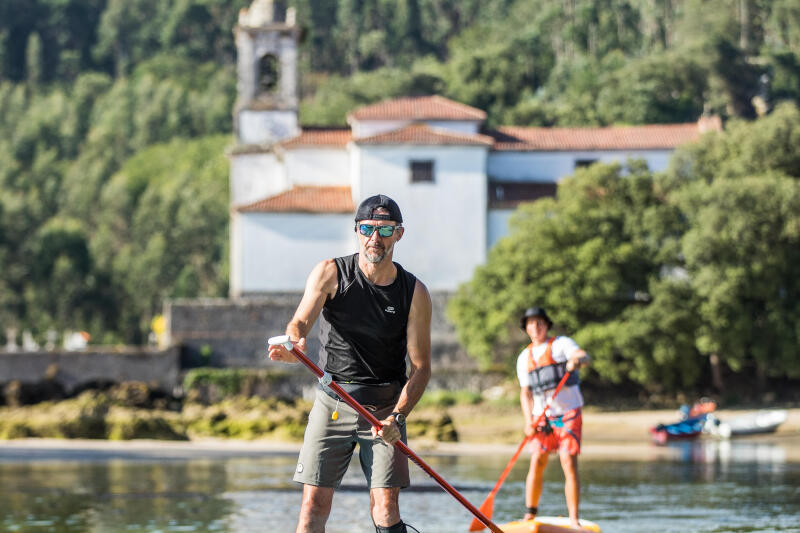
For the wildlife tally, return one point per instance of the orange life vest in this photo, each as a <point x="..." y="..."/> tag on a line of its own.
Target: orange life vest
<point x="545" y="359"/>
<point x="544" y="372"/>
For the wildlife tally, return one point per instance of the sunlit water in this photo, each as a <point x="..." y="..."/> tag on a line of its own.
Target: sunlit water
<point x="706" y="488"/>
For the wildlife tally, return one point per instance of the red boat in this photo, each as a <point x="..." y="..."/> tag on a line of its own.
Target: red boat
<point x="689" y="427"/>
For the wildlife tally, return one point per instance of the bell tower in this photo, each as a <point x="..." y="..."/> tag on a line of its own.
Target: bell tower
<point x="266" y="43"/>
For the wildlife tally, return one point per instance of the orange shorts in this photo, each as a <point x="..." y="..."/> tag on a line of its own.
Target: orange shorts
<point x="565" y="436"/>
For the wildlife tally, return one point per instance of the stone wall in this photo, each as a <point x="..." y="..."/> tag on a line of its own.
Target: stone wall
<point x="222" y="333"/>
<point x="160" y="369"/>
<point x="233" y="332"/>
<point x="225" y="332"/>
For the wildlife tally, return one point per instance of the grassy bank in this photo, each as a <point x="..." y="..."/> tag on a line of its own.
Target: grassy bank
<point x="230" y="404"/>
<point x="101" y="415"/>
<point x="117" y="415"/>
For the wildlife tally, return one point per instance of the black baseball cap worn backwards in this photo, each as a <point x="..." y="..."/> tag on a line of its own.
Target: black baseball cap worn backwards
<point x="535" y="311"/>
<point x="366" y="209"/>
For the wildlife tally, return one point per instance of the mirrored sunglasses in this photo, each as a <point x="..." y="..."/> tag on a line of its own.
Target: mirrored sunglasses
<point x="384" y="231"/>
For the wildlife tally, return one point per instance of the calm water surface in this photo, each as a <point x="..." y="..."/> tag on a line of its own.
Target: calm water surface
<point x="710" y="487"/>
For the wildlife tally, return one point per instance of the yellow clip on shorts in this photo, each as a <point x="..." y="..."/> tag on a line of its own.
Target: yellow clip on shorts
<point x="328" y="446"/>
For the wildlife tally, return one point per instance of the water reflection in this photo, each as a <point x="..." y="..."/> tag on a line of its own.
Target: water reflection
<point x="706" y="487"/>
<point x="727" y="451"/>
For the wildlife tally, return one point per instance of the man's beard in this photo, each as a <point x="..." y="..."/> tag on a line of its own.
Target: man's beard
<point x="375" y="254"/>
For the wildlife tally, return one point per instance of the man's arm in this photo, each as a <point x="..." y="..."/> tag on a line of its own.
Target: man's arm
<point x="320" y="285"/>
<point x="526" y="402"/>
<point x="418" y="335"/>
<point x="578" y="359"/>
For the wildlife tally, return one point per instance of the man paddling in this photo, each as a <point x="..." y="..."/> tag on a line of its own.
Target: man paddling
<point x="373" y="313"/>
<point x="540" y="367"/>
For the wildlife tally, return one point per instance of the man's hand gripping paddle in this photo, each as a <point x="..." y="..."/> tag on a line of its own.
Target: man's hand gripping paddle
<point x="487" y="507"/>
<point x="325" y="379"/>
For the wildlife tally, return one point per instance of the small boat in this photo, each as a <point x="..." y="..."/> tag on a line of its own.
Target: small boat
<point x="704" y="406"/>
<point x="549" y="524"/>
<point x="689" y="428"/>
<point x="766" y="421"/>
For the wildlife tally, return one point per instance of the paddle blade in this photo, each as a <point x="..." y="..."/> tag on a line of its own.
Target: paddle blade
<point x="486" y="508"/>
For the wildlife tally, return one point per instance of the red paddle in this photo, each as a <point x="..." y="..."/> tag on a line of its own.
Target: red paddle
<point x="325" y="379"/>
<point x="487" y="507"/>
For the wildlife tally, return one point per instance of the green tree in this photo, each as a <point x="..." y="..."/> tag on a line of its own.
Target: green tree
<point x="340" y="95"/>
<point x="62" y="290"/>
<point x="162" y="230"/>
<point x="784" y="77"/>
<point x="592" y="256"/>
<point x="737" y="77"/>
<point x="744" y="149"/>
<point x="658" y="88"/>
<point x="743" y="258"/>
<point x="783" y="25"/>
<point x="491" y="77"/>
<point x="33" y="60"/>
<point x="200" y="30"/>
<point x="129" y="31"/>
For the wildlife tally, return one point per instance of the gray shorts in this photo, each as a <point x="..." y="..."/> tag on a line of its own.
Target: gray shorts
<point x="329" y="444"/>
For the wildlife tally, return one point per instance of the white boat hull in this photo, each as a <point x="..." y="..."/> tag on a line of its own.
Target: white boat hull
<point x="753" y="424"/>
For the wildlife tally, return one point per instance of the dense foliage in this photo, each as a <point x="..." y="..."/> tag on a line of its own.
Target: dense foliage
<point x="115" y="115"/>
<point x="659" y="274"/>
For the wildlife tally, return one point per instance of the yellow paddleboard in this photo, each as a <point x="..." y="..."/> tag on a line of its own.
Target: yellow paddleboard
<point x="548" y="524"/>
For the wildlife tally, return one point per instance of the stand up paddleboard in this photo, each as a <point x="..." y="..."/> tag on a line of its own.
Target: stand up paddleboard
<point x="549" y="524"/>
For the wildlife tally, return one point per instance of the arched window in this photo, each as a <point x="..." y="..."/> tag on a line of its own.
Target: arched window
<point x="268" y="72"/>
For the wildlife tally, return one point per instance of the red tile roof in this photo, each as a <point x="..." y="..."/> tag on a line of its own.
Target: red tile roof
<point x="651" y="137"/>
<point x="422" y="134"/>
<point x="417" y="108"/>
<point x="320" y="137"/>
<point x="305" y="199"/>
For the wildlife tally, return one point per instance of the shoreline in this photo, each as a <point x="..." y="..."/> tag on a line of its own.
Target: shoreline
<point x="785" y="449"/>
<point x="606" y="435"/>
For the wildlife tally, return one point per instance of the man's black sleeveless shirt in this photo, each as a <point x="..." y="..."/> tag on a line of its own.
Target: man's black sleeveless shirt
<point x="363" y="327"/>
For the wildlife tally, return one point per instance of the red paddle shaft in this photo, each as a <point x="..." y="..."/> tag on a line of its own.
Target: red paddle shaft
<point x="555" y="393"/>
<point x="488" y="502"/>
<point x="325" y="379"/>
<point x="527" y="437"/>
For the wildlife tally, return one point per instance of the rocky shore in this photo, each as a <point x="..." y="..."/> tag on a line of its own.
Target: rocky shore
<point x="481" y="429"/>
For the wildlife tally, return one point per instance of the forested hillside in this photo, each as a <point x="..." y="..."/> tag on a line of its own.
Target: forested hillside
<point x="115" y="116"/>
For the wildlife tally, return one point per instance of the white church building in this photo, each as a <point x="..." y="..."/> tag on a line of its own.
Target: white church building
<point x="294" y="189"/>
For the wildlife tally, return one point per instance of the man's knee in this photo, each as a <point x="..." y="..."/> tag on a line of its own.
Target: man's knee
<point x="399" y="527"/>
<point x="540" y="458"/>
<point x="569" y="462"/>
<point x="317" y="500"/>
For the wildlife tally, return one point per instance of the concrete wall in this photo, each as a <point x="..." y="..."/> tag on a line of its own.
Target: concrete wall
<point x="445" y="221"/>
<point x="159" y="369"/>
<point x="235" y="331"/>
<point x="275" y="252"/>
<point x="257" y="127"/>
<point x="226" y="333"/>
<point x="498" y="225"/>
<point x="318" y="166"/>
<point x="552" y="166"/>
<point x="255" y="176"/>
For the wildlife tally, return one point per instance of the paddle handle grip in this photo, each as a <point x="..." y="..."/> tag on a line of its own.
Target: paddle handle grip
<point x="400" y="445"/>
<point x="325" y="378"/>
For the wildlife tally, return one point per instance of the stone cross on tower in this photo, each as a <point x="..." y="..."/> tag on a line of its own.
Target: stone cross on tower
<point x="266" y="44"/>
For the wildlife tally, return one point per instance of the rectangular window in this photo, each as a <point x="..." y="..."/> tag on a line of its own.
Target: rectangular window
<point x="421" y="171"/>
<point x="584" y="162"/>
